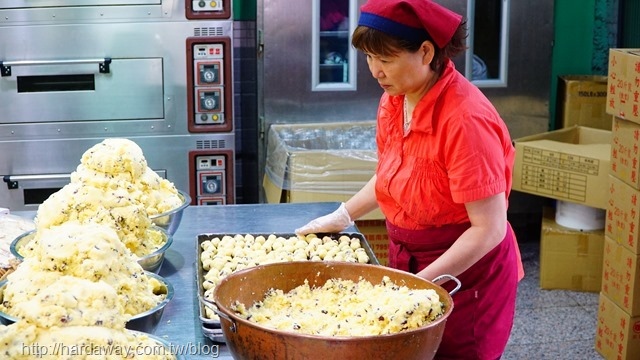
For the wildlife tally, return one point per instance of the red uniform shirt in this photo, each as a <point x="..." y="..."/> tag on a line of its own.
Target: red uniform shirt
<point x="458" y="150"/>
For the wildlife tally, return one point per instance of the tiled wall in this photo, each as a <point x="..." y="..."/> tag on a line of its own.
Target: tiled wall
<point x="246" y="111"/>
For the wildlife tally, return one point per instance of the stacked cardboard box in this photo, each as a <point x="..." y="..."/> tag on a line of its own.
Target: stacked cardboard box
<point x="623" y="84"/>
<point x="558" y="244"/>
<point x="582" y="102"/>
<point x="569" y="165"/>
<point x="618" y="330"/>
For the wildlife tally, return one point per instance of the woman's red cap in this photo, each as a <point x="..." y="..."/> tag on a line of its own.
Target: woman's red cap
<point x="411" y="19"/>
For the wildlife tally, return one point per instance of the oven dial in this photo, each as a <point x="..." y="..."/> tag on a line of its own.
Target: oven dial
<point x="209" y="76"/>
<point x="212" y="186"/>
<point x="211" y="183"/>
<point x="209" y="103"/>
<point x="210" y="99"/>
<point x="209" y="72"/>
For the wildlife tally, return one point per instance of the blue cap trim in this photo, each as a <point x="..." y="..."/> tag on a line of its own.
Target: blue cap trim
<point x="392" y="27"/>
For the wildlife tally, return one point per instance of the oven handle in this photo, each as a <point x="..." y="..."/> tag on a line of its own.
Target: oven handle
<point x="13" y="180"/>
<point x="103" y="64"/>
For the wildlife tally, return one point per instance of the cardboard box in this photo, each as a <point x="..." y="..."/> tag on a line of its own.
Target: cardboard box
<point x="569" y="259"/>
<point x="617" y="333"/>
<point x="625" y="151"/>
<point x="623" y="95"/>
<point x="582" y="101"/>
<point x="569" y="164"/>
<point x="622" y="223"/>
<point x="375" y="231"/>
<point x="621" y="276"/>
<point x="319" y="162"/>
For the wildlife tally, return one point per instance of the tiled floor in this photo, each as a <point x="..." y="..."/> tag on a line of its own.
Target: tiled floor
<point x="551" y="324"/>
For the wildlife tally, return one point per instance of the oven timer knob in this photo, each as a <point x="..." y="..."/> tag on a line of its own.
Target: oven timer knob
<point x="209" y="103"/>
<point x="209" y="76"/>
<point x="212" y="186"/>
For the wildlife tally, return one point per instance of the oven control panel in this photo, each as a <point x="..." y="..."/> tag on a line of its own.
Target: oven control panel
<point x="209" y="84"/>
<point x="208" y="9"/>
<point x="209" y="81"/>
<point x="212" y="177"/>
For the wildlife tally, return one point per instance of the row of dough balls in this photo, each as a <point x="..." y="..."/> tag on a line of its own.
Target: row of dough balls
<point x="221" y="256"/>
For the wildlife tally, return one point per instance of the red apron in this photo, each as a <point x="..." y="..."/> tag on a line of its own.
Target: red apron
<point x="484" y="307"/>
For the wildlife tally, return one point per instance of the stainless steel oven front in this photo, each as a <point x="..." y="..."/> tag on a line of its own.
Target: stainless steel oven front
<point x="73" y="72"/>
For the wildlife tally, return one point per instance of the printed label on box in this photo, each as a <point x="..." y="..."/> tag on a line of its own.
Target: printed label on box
<point x="623" y="94"/>
<point x="625" y="151"/>
<point x="617" y="333"/>
<point x="622" y="223"/>
<point x="621" y="277"/>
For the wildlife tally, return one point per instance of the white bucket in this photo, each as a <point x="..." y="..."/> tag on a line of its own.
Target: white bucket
<point x="579" y="217"/>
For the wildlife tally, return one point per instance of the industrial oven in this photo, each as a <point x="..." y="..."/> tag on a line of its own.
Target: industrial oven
<point x="73" y="72"/>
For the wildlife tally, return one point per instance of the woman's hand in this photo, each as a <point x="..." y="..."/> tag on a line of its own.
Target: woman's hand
<point x="361" y="203"/>
<point x="331" y="223"/>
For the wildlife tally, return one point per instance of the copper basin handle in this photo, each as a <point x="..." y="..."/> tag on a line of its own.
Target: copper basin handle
<point x="211" y="305"/>
<point x="450" y="277"/>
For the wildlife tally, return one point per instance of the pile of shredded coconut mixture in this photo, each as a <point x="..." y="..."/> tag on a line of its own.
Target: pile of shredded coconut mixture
<point x="114" y="186"/>
<point x="345" y="308"/>
<point x="67" y="254"/>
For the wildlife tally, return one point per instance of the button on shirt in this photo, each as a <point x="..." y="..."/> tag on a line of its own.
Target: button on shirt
<point x="457" y="150"/>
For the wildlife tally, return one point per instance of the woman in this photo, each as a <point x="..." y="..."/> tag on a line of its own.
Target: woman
<point x="445" y="159"/>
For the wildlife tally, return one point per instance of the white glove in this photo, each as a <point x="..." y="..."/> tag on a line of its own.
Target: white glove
<point x="331" y="223"/>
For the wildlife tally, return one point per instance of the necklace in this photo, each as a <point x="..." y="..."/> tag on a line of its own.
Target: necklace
<point x="407" y="119"/>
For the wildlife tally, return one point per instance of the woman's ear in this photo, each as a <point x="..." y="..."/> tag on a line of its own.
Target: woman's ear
<point x="428" y="51"/>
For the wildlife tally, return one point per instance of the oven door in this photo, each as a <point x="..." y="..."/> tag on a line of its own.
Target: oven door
<point x="69" y="90"/>
<point x="28" y="191"/>
<point x="26" y="4"/>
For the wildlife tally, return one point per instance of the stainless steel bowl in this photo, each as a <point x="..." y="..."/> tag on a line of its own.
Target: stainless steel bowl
<point x="20" y="241"/>
<point x="5" y="319"/>
<point x="146" y="322"/>
<point x="151" y="262"/>
<point x="166" y="344"/>
<point x="170" y="220"/>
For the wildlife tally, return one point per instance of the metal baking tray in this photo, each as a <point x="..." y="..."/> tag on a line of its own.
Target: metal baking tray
<point x="211" y="328"/>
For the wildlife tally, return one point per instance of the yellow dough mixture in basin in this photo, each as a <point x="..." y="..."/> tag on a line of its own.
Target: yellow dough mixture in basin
<point x="345" y="308"/>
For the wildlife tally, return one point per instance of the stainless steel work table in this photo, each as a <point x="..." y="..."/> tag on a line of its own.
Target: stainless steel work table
<point x="180" y="324"/>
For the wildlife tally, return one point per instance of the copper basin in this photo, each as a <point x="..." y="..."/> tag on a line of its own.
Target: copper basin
<point x="247" y="340"/>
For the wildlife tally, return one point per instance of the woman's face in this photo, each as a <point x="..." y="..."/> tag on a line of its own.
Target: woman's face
<point x="403" y="73"/>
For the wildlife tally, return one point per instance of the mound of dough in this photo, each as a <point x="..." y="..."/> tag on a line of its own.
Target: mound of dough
<point x="87" y="251"/>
